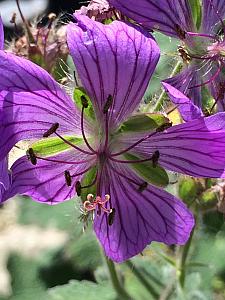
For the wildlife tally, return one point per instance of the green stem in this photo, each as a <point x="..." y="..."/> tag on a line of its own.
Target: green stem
<point x="121" y="292"/>
<point x="183" y="260"/>
<point x="161" y="99"/>
<point x="143" y="280"/>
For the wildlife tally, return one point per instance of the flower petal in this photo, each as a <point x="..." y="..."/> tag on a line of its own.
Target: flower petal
<point x="196" y="148"/>
<point x="140" y="217"/>
<point x="163" y="15"/>
<point x="116" y="60"/>
<point x="30" y="102"/>
<point x="187" y="82"/>
<point x="4" y="178"/>
<point x="213" y="13"/>
<point x="45" y="182"/>
<point x="1" y="35"/>
<point x="187" y="109"/>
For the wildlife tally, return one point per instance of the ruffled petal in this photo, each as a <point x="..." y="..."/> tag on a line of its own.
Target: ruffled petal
<point x="1" y="35"/>
<point x="186" y="107"/>
<point x="164" y="15"/>
<point x="196" y="148"/>
<point x="30" y="102"/>
<point x="140" y="217"/>
<point x="213" y="13"/>
<point x="116" y="60"/>
<point x="45" y="182"/>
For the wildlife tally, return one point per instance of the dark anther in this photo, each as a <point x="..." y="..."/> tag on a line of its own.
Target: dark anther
<point x="164" y="127"/>
<point x="184" y="54"/>
<point x="108" y="104"/>
<point x="13" y="19"/>
<point x="68" y="178"/>
<point x="111" y="216"/>
<point x="51" y="130"/>
<point x="155" y="159"/>
<point x="46" y="21"/>
<point x="78" y="188"/>
<point x="84" y="101"/>
<point x="181" y="33"/>
<point x="142" y="186"/>
<point x="31" y="156"/>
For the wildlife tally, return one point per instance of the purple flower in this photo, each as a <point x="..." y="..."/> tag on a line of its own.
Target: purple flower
<point x="115" y="63"/>
<point x="202" y="48"/>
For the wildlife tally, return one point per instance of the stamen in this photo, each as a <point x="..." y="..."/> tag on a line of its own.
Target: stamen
<point x="74" y="146"/>
<point x="31" y="156"/>
<point x="210" y="80"/>
<point x="184" y="54"/>
<point x="111" y="216"/>
<point x="78" y="188"/>
<point x="84" y="101"/>
<point x="63" y="161"/>
<point x="142" y="186"/>
<point x="155" y="159"/>
<point x="85" y="105"/>
<point x="68" y="178"/>
<point x="108" y="104"/>
<point x="51" y="130"/>
<point x="92" y="183"/>
<point x="202" y="35"/>
<point x="181" y="33"/>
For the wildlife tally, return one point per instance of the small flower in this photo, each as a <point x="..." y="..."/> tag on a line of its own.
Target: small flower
<point x="114" y="63"/>
<point x="202" y="49"/>
<point x="99" y="10"/>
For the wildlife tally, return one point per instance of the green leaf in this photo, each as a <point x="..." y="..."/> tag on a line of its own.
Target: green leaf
<point x="156" y="176"/>
<point x="87" y="180"/>
<point x="82" y="290"/>
<point x="196" y="12"/>
<point x="51" y="146"/>
<point x="143" y="122"/>
<point x="77" y="94"/>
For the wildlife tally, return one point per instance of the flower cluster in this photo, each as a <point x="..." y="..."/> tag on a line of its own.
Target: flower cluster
<point x="101" y="143"/>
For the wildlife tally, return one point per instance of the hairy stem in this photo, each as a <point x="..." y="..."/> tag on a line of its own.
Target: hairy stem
<point x="142" y="279"/>
<point x="121" y="292"/>
<point x="161" y="99"/>
<point x="183" y="260"/>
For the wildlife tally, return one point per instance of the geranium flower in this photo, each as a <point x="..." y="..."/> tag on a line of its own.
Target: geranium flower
<point x="202" y="48"/>
<point x="115" y="63"/>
